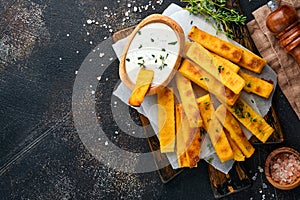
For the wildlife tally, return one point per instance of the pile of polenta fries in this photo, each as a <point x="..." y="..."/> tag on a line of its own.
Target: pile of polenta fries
<point x="214" y="65"/>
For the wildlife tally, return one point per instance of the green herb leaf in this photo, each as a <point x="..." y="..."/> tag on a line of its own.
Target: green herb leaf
<point x="172" y="43"/>
<point x="217" y="14"/>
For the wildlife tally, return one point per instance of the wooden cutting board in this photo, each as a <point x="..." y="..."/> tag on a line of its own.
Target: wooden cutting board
<point x="222" y="184"/>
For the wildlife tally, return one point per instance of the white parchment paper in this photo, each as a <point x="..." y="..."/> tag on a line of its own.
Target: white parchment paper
<point x="149" y="105"/>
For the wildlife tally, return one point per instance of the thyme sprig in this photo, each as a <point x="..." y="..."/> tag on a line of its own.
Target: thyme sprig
<point x="217" y="14"/>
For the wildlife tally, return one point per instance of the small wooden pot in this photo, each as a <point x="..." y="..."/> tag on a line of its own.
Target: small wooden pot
<point x="270" y="161"/>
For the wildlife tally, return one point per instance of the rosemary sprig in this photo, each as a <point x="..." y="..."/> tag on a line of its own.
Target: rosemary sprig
<point x="217" y="13"/>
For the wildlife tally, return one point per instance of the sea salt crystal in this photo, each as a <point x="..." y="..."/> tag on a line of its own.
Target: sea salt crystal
<point x="89" y="21"/>
<point x="93" y="92"/>
<point x="105" y="8"/>
<point x="101" y="55"/>
<point x="106" y="143"/>
<point x="99" y="78"/>
<point x="264" y="186"/>
<point x="261" y="170"/>
<point x="76" y="72"/>
<point x="285" y="169"/>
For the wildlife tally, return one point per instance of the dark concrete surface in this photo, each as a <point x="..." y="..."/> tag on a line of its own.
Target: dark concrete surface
<point x="42" y="46"/>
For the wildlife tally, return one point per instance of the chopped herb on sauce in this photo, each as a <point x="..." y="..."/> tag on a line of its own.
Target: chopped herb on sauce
<point x="152" y="40"/>
<point x="142" y="63"/>
<point x="172" y="43"/>
<point x="127" y="59"/>
<point x="140" y="46"/>
<point x="248" y="84"/>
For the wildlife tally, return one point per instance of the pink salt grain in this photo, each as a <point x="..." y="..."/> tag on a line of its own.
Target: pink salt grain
<point x="285" y="168"/>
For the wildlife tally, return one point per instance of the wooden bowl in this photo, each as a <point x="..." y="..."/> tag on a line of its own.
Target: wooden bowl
<point x="271" y="164"/>
<point x="144" y="42"/>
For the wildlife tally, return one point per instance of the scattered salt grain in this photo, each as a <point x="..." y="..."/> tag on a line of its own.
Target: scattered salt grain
<point x="91" y="42"/>
<point x="99" y="78"/>
<point x="264" y="186"/>
<point x="111" y="59"/>
<point x="105" y="8"/>
<point x="101" y="55"/>
<point x="77" y="51"/>
<point x="60" y="58"/>
<point x="68" y="35"/>
<point x="261" y="170"/>
<point x="116" y="132"/>
<point x="93" y="92"/>
<point x="76" y="72"/>
<point x="106" y="143"/>
<point x="254" y="177"/>
<point x="135" y="9"/>
<point x="129" y="5"/>
<point x="89" y="21"/>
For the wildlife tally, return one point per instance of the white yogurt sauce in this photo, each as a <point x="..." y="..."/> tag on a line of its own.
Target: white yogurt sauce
<point x="154" y="47"/>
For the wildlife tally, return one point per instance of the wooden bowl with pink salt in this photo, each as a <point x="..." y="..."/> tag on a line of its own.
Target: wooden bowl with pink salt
<point x="282" y="168"/>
